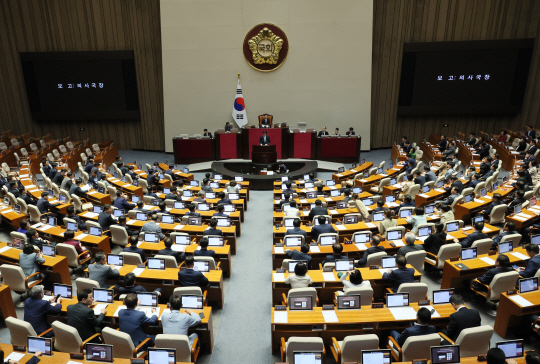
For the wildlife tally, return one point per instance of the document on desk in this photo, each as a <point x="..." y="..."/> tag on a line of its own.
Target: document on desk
<point x="281" y="317"/>
<point x="333" y="212"/>
<point x="486" y="230"/>
<point x="398" y="242"/>
<point x="45" y="227"/>
<point x="179" y="227"/>
<point x="178" y="248"/>
<point x="329" y="277"/>
<point x="279" y="250"/>
<point x="314" y="249"/>
<point x="361" y="246"/>
<point x="7" y="211"/>
<point x="4" y="249"/>
<point x="341" y="227"/>
<point x="520" y="218"/>
<point x="479" y="201"/>
<point x="306" y="213"/>
<point x="371" y="225"/>
<point x="138" y="271"/>
<point x="434" y="314"/>
<point x="332" y="187"/>
<point x="131" y="222"/>
<point x="330" y="316"/>
<point x="121" y="307"/>
<point x="440" y="190"/>
<point x="301" y="201"/>
<point x="403" y="313"/>
<point x="520" y="255"/>
<point x="92" y="193"/>
<point x="392" y="204"/>
<point x="279" y="277"/>
<point x="14" y="356"/>
<point x="339" y="175"/>
<point x="90" y="214"/>
<point x="363" y="180"/>
<point x="520" y="300"/>
<point x="488" y="260"/>
<point x="423" y="195"/>
<point x="99" y="307"/>
<point x="329" y="199"/>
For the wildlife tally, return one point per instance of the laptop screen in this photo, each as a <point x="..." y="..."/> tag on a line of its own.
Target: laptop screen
<point x="300" y="303"/>
<point x="161" y="356"/>
<point x="234" y="196"/>
<point x="309" y="185"/>
<point x="445" y="354"/>
<point x="424" y="231"/>
<point x="156" y="263"/>
<point x="362" y="238"/>
<point x="293" y="241"/>
<point x="367" y="201"/>
<point x="452" y="226"/>
<point x="330" y="183"/>
<point x="150" y="237"/>
<point x="405" y="213"/>
<point x="429" y="209"/>
<point x="335" y="193"/>
<point x="293" y="263"/>
<point x="182" y="240"/>
<point x="97" y="209"/>
<point x="103" y="295"/>
<point x="528" y="285"/>
<point x="209" y="195"/>
<point x="512" y="348"/>
<point x="393" y="234"/>
<point x="218" y="177"/>
<point x="99" y="352"/>
<point x="167" y="219"/>
<point x="48" y="250"/>
<point x="388" y="262"/>
<point x="141" y="216"/>
<point x="506" y="247"/>
<point x="478" y="219"/>
<point x="348" y="302"/>
<point x="397" y="299"/>
<point x="357" y="190"/>
<point x="376" y="356"/>
<point x="51" y="221"/>
<point x="115" y="259"/>
<point x="307" y="358"/>
<point x="343" y="265"/>
<point x="535" y="239"/>
<point x="239" y="179"/>
<point x="469" y="253"/>
<point x="306" y="177"/>
<point x="63" y="290"/>
<point x="148" y="299"/>
<point x="95" y="231"/>
<point x="327" y="240"/>
<point x="378" y="216"/>
<point x="201" y="266"/>
<point x="203" y="207"/>
<point x="118" y="212"/>
<point x="517" y="209"/>
<point x="187" y="193"/>
<point x="469" y="197"/>
<point x="390" y="198"/>
<point x="341" y="169"/>
<point x="289" y="223"/>
<point x="194" y="183"/>
<point x="179" y="205"/>
<point x="135" y="199"/>
<point x="42" y="344"/>
<point x="229" y="208"/>
<point x="216" y="241"/>
<point x="214" y="184"/>
<point x="194" y="302"/>
<point x="442" y="296"/>
<point x="426" y="189"/>
<point x="223" y="222"/>
<point x="350" y="219"/>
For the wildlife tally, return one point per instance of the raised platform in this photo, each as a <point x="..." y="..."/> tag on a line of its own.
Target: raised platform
<point x="250" y="171"/>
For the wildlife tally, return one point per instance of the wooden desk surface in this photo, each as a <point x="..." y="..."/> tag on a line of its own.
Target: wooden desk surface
<point x="510" y="312"/>
<point x="214" y="276"/>
<point x="350" y="173"/>
<point x="90" y="241"/>
<point x="367" y="274"/>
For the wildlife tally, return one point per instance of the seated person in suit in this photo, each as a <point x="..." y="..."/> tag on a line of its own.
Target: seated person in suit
<point x="454" y="193"/>
<point x="59" y="177"/>
<point x="337" y="248"/>
<point x="288" y="188"/>
<point x="400" y="275"/>
<point x="356" y="280"/>
<point x="169" y="251"/>
<point x="300" y="255"/>
<point x="206" y="133"/>
<point x="228" y="127"/>
<point x="152" y="227"/>
<point x="407" y="202"/>
<point x="502" y="265"/>
<point x="463" y="318"/>
<point x="130" y="287"/>
<point x="410" y="238"/>
<point x="131" y="247"/>
<point x="69" y="236"/>
<point x="265" y="120"/>
<point x="336" y="131"/>
<point x="32" y="237"/>
<point x="190" y="277"/>
<point x="451" y="171"/>
<point x="287" y="199"/>
<point x="200" y="197"/>
<point x="105" y="219"/>
<point x="152" y="178"/>
<point x="380" y="206"/>
<point x="429" y="175"/>
<point x="212" y="230"/>
<point x="434" y="241"/>
<point x="418" y="219"/>
<point x="296" y="230"/>
<point x="121" y="202"/>
<point x="81" y="316"/>
<point x="264" y="139"/>
<point x="282" y="168"/>
<point x="419" y="179"/>
<point x="131" y="171"/>
<point x="223" y="199"/>
<point x="508" y="229"/>
<point x="453" y="181"/>
<point x="374" y="247"/>
<point x="350" y="132"/>
<point x="317" y="210"/>
<point x="533" y="264"/>
<point x="387" y="223"/>
<point x="495" y="201"/>
<point x="43" y="204"/>
<point x="191" y="212"/>
<point x="173" y="194"/>
<point x="100" y="271"/>
<point x="322" y="228"/>
<point x="23" y="226"/>
<point x="178" y="323"/>
<point x="357" y="203"/>
<point x="323" y="132"/>
<point x="206" y="185"/>
<point x="299" y="279"/>
<point x="140" y="208"/>
<point x="421" y="327"/>
<point x="471" y="238"/>
<point x="132" y="321"/>
<point x="410" y="167"/>
<point x="76" y="189"/>
<point x="36" y="310"/>
<point x="443" y="143"/>
<point x="233" y="187"/>
<point x="204" y="252"/>
<point x="220" y="208"/>
<point x="475" y="179"/>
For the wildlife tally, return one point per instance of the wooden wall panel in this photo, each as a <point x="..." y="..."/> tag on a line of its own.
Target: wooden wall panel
<point x="401" y="21"/>
<point x="84" y="25"/>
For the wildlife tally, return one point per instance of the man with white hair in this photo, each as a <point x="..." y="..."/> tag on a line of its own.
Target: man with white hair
<point x="410" y="238"/>
<point x="36" y="310"/>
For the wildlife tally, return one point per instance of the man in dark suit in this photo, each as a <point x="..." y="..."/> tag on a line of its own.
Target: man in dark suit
<point x="350" y="132"/>
<point x="455" y="183"/>
<point x="502" y="265"/>
<point x="490" y="173"/>
<point x="24" y="196"/>
<point x="475" y="179"/>
<point x="434" y="241"/>
<point x="132" y="321"/>
<point x="89" y="165"/>
<point x="100" y="271"/>
<point x="76" y="189"/>
<point x="323" y="132"/>
<point x="220" y="208"/>
<point x="211" y="230"/>
<point x="266" y="120"/>
<point x="46" y="167"/>
<point x="373" y="248"/>
<point x="407" y="147"/>
<point x="43" y="204"/>
<point x="300" y="255"/>
<point x="472" y="139"/>
<point x="228" y="127"/>
<point x="131" y="171"/>
<point x="337" y="249"/>
<point x="13" y="189"/>
<point x="407" y="202"/>
<point x="421" y="328"/>
<point x="171" y="173"/>
<point x="152" y="178"/>
<point x="322" y="228"/>
<point x="529" y="157"/>
<point x="190" y="277"/>
<point x="288" y="188"/>
<point x="287" y="199"/>
<point x="282" y="168"/>
<point x="59" y="177"/>
<point x="530" y="133"/>
<point x="264" y="139"/>
<point x="522" y="145"/>
<point x="168" y="250"/>
<point x="81" y="316"/>
<point x="173" y="194"/>
<point x="484" y="166"/>
<point x="36" y="310"/>
<point x="533" y="264"/>
<point x="484" y="150"/>
<point x="121" y="203"/>
<point x="223" y="199"/>
<point x="32" y="237"/>
<point x="317" y="210"/>
<point x="419" y="179"/>
<point x="471" y="238"/>
<point x="429" y="174"/>
<point x="105" y="219"/>
<point x="400" y="275"/>
<point x="191" y="212"/>
<point x="495" y="201"/>
<point x="130" y="287"/>
<point x="206" y="133"/>
<point x="463" y="318"/>
<point x="71" y="214"/>
<point x="204" y="252"/>
<point x="94" y="178"/>
<point x="443" y="143"/>
<point x="296" y="229"/>
<point x="132" y="247"/>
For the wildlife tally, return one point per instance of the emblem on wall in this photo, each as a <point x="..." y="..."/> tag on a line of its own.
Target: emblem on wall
<point x="266" y="47"/>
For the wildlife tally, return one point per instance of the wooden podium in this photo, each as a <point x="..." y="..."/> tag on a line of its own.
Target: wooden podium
<point x="264" y="154"/>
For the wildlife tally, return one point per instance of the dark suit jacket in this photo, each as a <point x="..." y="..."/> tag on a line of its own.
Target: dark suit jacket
<point x="484" y="152"/>
<point x="122" y="204"/>
<point x="442" y="144"/>
<point x="321" y="133"/>
<point x="263" y="141"/>
<point x="532" y="266"/>
<point x="36" y="311"/>
<point x="132" y="322"/>
<point x="14" y="191"/>
<point x="211" y="231"/>
<point x="490" y="274"/>
<point x="228" y="128"/>
<point x="132" y="289"/>
<point x="208" y="134"/>
<point x="189" y="277"/>
<point x="298" y="255"/>
<point x="83" y="319"/>
<point x="464" y="318"/>
<point x="58" y="179"/>
<point x="205" y="253"/>
<point x="168" y="251"/>
<point x="490" y="207"/>
<point x="321" y="229"/>
<point x="105" y="220"/>
<point x="317" y="211"/>
<point x="434" y="242"/>
<point x="420" y="180"/>
<point x="398" y="276"/>
<point x="484" y="168"/>
<point x="372" y="249"/>
<point x="44" y="205"/>
<point x="331" y="258"/>
<point x="27" y="199"/>
<point x="471" y="238"/>
<point x="430" y="176"/>
<point x="416" y="330"/>
<point x="131" y="249"/>
<point x="297" y="231"/>
<point x="76" y="190"/>
<point x="151" y="180"/>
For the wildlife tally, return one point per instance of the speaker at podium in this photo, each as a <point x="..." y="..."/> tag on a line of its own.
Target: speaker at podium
<point x="264" y="154"/>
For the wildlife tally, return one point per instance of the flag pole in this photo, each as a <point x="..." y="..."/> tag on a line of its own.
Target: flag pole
<point x="239" y="78"/>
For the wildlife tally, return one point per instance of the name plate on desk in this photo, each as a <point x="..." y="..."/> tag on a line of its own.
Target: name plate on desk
<point x="279" y="245"/>
<point x="373" y="267"/>
<point x="76" y="356"/>
<point x="280" y="308"/>
<point x="462" y="266"/>
<point x="327" y="269"/>
<point x="19" y="348"/>
<point x="328" y="307"/>
<point x="377" y="305"/>
<point x="280" y="270"/>
<point x="347" y="242"/>
<point x="424" y="303"/>
<point x="454" y="259"/>
<point x="492" y="252"/>
<point x="137" y="361"/>
<point x="511" y="292"/>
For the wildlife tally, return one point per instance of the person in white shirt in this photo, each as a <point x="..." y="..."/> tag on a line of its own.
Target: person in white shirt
<point x="233" y="187"/>
<point x="292" y="210"/>
<point x="299" y="279"/>
<point x="355" y="280"/>
<point x="178" y="323"/>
